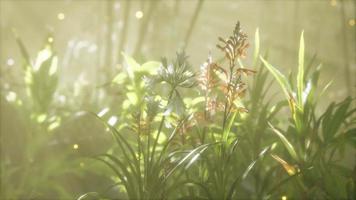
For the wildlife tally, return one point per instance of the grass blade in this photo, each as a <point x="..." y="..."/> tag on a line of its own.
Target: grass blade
<point x="282" y="80"/>
<point x="300" y="76"/>
<point x="247" y="171"/>
<point x="286" y="143"/>
<point x="257" y="47"/>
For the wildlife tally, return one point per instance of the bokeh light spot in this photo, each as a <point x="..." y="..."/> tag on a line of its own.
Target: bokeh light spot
<point x="61" y="16"/>
<point x="333" y="2"/>
<point x="10" y="62"/>
<point x="75" y="146"/>
<point x="11" y="96"/>
<point x="139" y="14"/>
<point x="352" y="22"/>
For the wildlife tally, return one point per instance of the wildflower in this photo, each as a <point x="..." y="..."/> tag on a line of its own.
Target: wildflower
<point x="177" y="74"/>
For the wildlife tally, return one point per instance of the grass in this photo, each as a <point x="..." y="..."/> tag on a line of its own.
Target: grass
<point x="231" y="151"/>
<point x="213" y="133"/>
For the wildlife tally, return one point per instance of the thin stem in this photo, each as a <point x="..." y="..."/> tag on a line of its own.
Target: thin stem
<point x="226" y="102"/>
<point x="284" y="181"/>
<point x="345" y="50"/>
<point x="192" y="23"/>
<point x="331" y="155"/>
<point x="147" y="152"/>
<point x="144" y="27"/>
<point x="125" y="28"/>
<point x="160" y="127"/>
<point x="141" y="192"/>
<point x="110" y="20"/>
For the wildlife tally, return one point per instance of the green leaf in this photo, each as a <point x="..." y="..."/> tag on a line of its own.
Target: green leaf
<point x="282" y="80"/>
<point x="191" y="157"/>
<point x="119" y="78"/>
<point x="246" y="172"/>
<point x="176" y="105"/>
<point x="132" y="65"/>
<point x="260" y="156"/>
<point x="127" y="177"/>
<point x="150" y="67"/>
<point x="228" y="127"/>
<point x="132" y="97"/>
<point x="285" y="142"/>
<point x="123" y="143"/>
<point x="198" y="100"/>
<point x="300" y="76"/>
<point x="23" y="49"/>
<point x="257" y="47"/>
<point x="89" y="195"/>
<point x="339" y="117"/>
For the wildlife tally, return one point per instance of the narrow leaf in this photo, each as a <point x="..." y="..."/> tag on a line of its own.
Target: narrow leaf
<point x="300" y="76"/>
<point x="282" y="80"/>
<point x="257" y="47"/>
<point x="286" y="143"/>
<point x="290" y="169"/>
<point x="150" y="67"/>
<point x="132" y="65"/>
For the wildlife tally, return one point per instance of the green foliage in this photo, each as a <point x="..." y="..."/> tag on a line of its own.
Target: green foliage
<point x="145" y="169"/>
<point x="218" y="150"/>
<point x="213" y="133"/>
<point x="314" y="139"/>
<point x="36" y="149"/>
<point x="41" y="75"/>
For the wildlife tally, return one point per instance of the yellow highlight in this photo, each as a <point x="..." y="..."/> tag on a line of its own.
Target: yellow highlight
<point x="41" y="118"/>
<point x="61" y="16"/>
<point x="284" y="197"/>
<point x="290" y="169"/>
<point x="139" y="14"/>
<point x="75" y="146"/>
<point x="50" y="39"/>
<point x="333" y="2"/>
<point x="352" y="22"/>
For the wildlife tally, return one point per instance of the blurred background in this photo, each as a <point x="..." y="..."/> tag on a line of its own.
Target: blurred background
<point x="90" y="34"/>
<point x="88" y="37"/>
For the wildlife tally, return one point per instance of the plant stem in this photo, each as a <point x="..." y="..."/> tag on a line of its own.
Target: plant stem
<point x="345" y="50"/>
<point x="110" y="20"/>
<point x="143" y="28"/>
<point x="160" y="127"/>
<point x="125" y="28"/>
<point x="226" y="111"/>
<point x="192" y="23"/>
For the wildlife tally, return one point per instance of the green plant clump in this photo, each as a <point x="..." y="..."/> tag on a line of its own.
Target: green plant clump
<point x="194" y="135"/>
<point x="179" y="132"/>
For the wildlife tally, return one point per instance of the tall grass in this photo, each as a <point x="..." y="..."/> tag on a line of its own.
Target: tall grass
<point x="312" y="139"/>
<point x="215" y="144"/>
<point x="26" y="163"/>
<point x="214" y="133"/>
